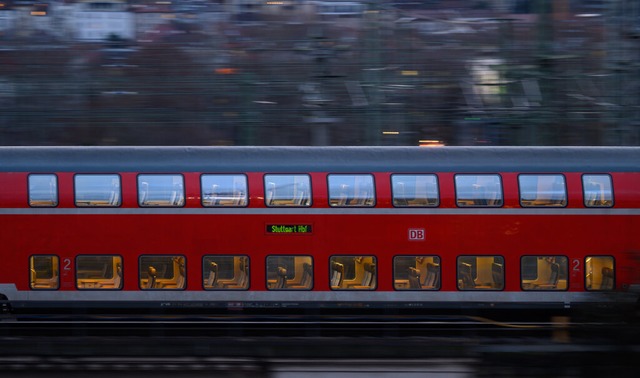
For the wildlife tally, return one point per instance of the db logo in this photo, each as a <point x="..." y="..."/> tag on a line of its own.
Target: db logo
<point x="416" y="234"/>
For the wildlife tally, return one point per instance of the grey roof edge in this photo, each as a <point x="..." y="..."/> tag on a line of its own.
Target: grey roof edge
<point x="318" y="159"/>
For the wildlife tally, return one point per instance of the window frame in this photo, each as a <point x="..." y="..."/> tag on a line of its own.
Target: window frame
<point x="57" y="265"/>
<point x="374" y="280"/>
<point x="247" y="273"/>
<point x="163" y="202"/>
<point x="586" y="273"/>
<point x="56" y="198"/>
<point x="76" y="271"/>
<point x="91" y="203"/>
<point x="438" y="287"/>
<point x="415" y="176"/>
<point x="481" y="288"/>
<point x="276" y="256"/>
<point x="457" y="193"/>
<point x="330" y="189"/>
<point x="172" y="256"/>
<point x="565" y="191"/>
<point x="266" y="183"/>
<point x="546" y="256"/>
<point x="244" y="201"/>
<point x="611" y="191"/>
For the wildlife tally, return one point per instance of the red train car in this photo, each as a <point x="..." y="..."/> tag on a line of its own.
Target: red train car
<point x="260" y="227"/>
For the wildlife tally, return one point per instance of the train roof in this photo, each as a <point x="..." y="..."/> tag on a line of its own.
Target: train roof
<point x="319" y="159"/>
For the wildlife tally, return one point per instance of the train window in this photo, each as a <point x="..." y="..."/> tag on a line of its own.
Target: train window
<point x="287" y="190"/>
<point x="415" y="190"/>
<point x="99" y="272"/>
<point x="478" y="190"/>
<point x="162" y="272"/>
<point x="353" y="272"/>
<point x="416" y="272"/>
<point x="542" y="190"/>
<point x="97" y="190"/>
<point x="44" y="272"/>
<point x="480" y="272"/>
<point x="599" y="273"/>
<point x="351" y="190"/>
<point x="544" y="272"/>
<point x="598" y="190"/>
<point x="160" y="190"/>
<point x="43" y="190"/>
<point x="289" y="272"/>
<point x="224" y="190"/>
<point x="230" y="272"/>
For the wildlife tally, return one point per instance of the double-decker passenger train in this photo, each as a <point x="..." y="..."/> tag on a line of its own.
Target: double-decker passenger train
<point x="319" y="227"/>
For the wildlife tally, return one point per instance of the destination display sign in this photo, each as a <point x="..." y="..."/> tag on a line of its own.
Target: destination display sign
<point x="288" y="228"/>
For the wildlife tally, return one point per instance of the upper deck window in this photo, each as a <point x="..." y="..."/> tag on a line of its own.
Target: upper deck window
<point x="478" y="190"/>
<point x="351" y="190"/>
<point x="287" y="190"/>
<point x="224" y="190"/>
<point x="542" y="190"/>
<point x="160" y="190"/>
<point x="415" y="190"/>
<point x="598" y="190"/>
<point x="97" y="190"/>
<point x="43" y="190"/>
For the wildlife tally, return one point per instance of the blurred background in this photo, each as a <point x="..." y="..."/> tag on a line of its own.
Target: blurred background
<point x="329" y="72"/>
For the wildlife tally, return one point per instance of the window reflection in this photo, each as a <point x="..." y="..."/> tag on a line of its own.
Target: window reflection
<point x="224" y="190"/>
<point x="43" y="190"/>
<point x="160" y="190"/>
<point x="414" y="190"/>
<point x="478" y="190"/>
<point x="351" y="190"/>
<point x="542" y="190"/>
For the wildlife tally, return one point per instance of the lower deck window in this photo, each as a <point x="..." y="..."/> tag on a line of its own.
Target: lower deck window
<point x="225" y="272"/>
<point x="289" y="272"/>
<point x="99" y="272"/>
<point x="480" y="273"/>
<point x="44" y="272"/>
<point x="162" y="272"/>
<point x="353" y="272"/>
<point x="416" y="272"/>
<point x="599" y="271"/>
<point x="544" y="272"/>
